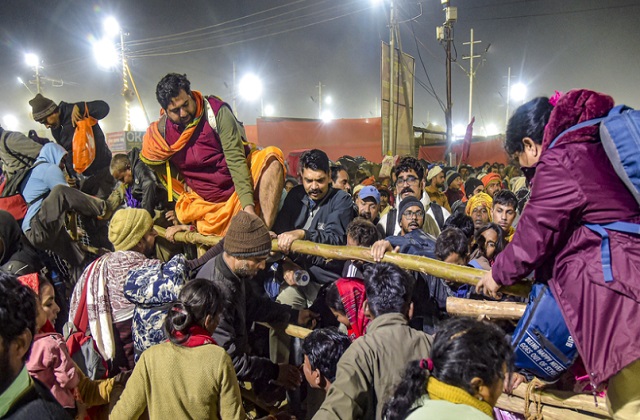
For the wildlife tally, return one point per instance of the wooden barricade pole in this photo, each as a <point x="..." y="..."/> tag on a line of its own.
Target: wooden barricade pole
<point x="490" y="309"/>
<point x="451" y="272"/>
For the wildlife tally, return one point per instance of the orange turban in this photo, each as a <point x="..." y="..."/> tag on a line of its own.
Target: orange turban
<point x="491" y="177"/>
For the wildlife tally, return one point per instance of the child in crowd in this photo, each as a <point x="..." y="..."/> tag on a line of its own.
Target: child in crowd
<point x="51" y="363"/>
<point x="462" y="379"/>
<point x="489" y="242"/>
<point x="322" y="350"/>
<point x="189" y="376"/>
<point x="345" y="298"/>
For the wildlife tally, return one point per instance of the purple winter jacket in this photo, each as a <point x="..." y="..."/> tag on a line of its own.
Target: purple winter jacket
<point x="575" y="183"/>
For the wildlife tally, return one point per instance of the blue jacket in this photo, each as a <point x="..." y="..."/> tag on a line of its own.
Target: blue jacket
<point x="43" y="178"/>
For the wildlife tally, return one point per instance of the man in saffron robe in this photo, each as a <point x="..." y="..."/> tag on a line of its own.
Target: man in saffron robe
<point x="199" y="141"/>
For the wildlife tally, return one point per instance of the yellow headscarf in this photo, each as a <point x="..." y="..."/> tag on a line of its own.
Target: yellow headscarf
<point x="478" y="200"/>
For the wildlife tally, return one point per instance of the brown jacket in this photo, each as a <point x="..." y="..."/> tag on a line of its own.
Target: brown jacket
<point x="372" y="367"/>
<point x="438" y="197"/>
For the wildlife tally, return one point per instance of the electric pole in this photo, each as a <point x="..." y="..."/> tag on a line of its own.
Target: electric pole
<point x="444" y="34"/>
<point x="392" y="79"/>
<point x="319" y="86"/>
<point x="125" y="85"/>
<point x="472" y="71"/>
<point x="506" y="120"/>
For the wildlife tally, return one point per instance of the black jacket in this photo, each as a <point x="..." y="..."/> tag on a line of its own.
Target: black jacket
<point x="36" y="403"/>
<point x="146" y="188"/>
<point x="64" y="134"/>
<point x="19" y="256"/>
<point x="329" y="226"/>
<point x="244" y="307"/>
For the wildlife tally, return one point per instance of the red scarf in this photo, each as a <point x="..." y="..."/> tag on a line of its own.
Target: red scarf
<point x="352" y="294"/>
<point x="196" y="336"/>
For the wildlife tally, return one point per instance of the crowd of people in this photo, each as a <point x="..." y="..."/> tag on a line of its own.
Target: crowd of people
<point x="102" y="317"/>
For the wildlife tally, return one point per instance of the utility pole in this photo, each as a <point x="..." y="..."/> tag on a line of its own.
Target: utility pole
<point x="445" y="33"/>
<point x="391" y="147"/>
<point x="472" y="71"/>
<point x="38" y="79"/>
<point x="234" y="90"/>
<point x="506" y="120"/>
<point x="125" y="85"/>
<point x="319" y="86"/>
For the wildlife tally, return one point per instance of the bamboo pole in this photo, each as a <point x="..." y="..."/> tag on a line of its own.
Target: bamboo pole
<point x="451" y="272"/>
<point x="564" y="399"/>
<point x="291" y="330"/>
<point x="554" y="404"/>
<point x="492" y="310"/>
<point x="516" y="404"/>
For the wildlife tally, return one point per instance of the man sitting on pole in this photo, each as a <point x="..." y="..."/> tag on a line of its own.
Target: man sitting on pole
<point x="201" y="138"/>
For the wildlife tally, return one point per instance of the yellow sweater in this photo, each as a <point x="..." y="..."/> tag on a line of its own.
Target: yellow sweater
<point x="175" y="382"/>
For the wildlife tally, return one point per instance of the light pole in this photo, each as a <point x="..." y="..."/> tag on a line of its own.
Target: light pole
<point x="444" y="34"/>
<point x="250" y="89"/>
<point x="32" y="60"/>
<point x="107" y="56"/>
<point x="472" y="71"/>
<point x="112" y="29"/>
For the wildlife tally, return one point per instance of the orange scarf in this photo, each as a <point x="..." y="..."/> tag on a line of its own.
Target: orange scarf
<point x="155" y="149"/>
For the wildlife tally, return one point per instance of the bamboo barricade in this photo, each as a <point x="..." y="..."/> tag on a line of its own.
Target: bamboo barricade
<point x="480" y="308"/>
<point x="451" y="272"/>
<point x="552" y="404"/>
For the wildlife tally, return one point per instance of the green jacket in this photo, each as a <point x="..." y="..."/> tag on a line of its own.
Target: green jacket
<point x="371" y="368"/>
<point x="175" y="382"/>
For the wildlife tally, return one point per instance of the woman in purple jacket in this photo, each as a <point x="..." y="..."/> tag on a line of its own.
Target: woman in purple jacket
<point x="574" y="184"/>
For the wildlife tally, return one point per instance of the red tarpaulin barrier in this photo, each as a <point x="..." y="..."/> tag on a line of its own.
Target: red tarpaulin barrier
<point x="354" y="137"/>
<point x="481" y="151"/>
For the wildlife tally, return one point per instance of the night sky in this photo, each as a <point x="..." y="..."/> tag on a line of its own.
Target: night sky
<point x="294" y="44"/>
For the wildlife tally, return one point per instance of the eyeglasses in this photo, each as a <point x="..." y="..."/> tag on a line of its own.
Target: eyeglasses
<point x="411" y="180"/>
<point x="411" y="214"/>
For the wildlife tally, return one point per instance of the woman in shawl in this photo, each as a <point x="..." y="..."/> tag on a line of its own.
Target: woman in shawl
<point x="345" y="298"/>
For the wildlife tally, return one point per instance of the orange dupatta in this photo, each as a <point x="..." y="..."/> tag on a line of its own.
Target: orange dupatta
<point x="156" y="151"/>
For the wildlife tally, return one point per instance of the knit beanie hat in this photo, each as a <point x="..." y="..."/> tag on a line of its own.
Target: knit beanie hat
<point x="127" y="227"/>
<point x="409" y="201"/>
<point x="471" y="185"/>
<point x="247" y="237"/>
<point x="451" y="177"/>
<point x="42" y="107"/>
<point x="433" y="172"/>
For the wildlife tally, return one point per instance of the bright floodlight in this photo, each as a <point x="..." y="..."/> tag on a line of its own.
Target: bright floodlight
<point x="111" y="27"/>
<point x="250" y="87"/>
<point x="269" y="111"/>
<point x="10" y="122"/>
<point x="491" y="130"/>
<point x="32" y="60"/>
<point x="20" y="80"/>
<point x="328" y="100"/>
<point x="326" y="116"/>
<point x="376" y="2"/>
<point x="138" y="119"/>
<point x="459" y="130"/>
<point x="105" y="53"/>
<point x="518" y="92"/>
